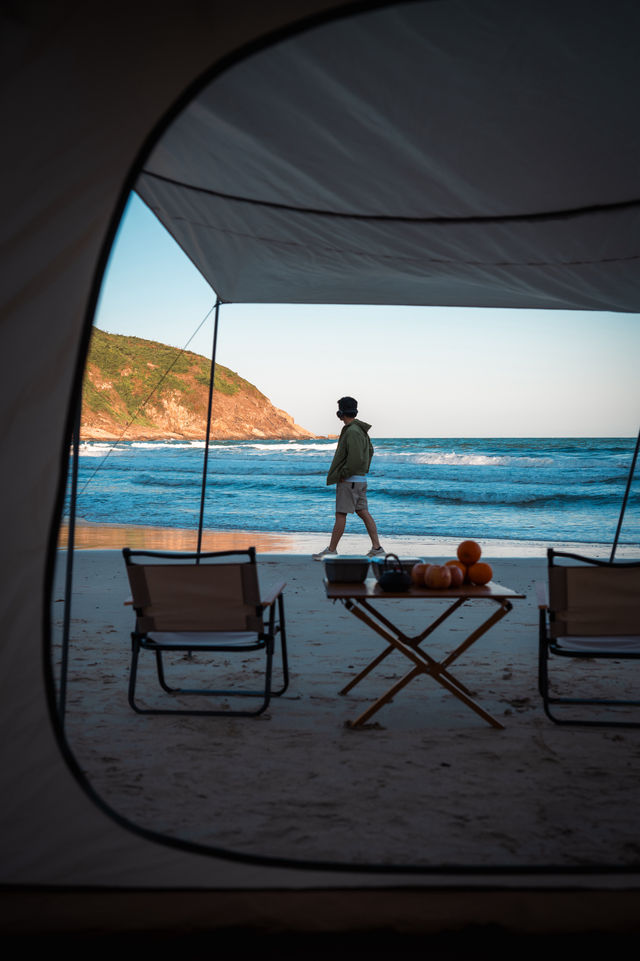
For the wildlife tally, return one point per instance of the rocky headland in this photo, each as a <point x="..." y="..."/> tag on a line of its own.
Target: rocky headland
<point x="150" y="391"/>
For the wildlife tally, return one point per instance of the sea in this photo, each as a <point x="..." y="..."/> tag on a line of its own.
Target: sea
<point x="553" y="490"/>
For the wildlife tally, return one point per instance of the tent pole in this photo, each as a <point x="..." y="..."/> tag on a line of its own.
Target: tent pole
<point x="626" y="497"/>
<point x="206" y="442"/>
<point x="71" y="536"/>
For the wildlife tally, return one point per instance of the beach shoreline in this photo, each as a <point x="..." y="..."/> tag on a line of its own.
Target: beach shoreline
<point x="100" y="536"/>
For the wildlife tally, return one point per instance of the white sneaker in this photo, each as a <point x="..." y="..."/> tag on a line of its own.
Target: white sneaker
<point x="376" y="552"/>
<point x="327" y="552"/>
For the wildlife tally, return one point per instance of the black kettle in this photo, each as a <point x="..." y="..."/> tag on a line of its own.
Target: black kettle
<point x="393" y="578"/>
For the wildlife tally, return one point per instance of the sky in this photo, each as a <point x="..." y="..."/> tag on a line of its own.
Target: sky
<point x="415" y="371"/>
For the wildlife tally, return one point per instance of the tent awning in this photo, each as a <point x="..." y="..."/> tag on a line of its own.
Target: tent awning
<point x="392" y="158"/>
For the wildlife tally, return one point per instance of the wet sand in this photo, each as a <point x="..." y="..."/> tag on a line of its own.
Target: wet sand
<point x="90" y="536"/>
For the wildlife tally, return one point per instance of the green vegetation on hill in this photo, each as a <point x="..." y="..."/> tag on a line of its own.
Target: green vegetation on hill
<point x="123" y="371"/>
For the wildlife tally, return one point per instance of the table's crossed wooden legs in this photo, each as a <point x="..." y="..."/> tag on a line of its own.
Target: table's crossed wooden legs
<point x="423" y="662"/>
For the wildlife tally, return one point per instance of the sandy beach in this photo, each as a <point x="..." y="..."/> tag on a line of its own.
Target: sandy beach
<point x="428" y="784"/>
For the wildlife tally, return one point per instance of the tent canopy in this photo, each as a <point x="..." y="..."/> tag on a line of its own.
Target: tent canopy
<point x="458" y="153"/>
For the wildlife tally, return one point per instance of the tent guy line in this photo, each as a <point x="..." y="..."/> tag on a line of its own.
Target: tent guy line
<point x="147" y="398"/>
<point x="74" y="494"/>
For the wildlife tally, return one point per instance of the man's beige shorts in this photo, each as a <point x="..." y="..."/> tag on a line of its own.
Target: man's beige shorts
<point x="351" y="496"/>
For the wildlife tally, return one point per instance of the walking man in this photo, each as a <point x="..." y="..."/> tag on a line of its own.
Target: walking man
<point x="348" y="472"/>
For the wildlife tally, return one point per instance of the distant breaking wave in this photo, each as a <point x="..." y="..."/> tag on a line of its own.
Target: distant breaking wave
<point x="173" y="444"/>
<point x="268" y="448"/>
<point x="470" y="460"/>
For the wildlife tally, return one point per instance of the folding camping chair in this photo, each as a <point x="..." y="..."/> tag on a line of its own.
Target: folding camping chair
<point x="592" y="611"/>
<point x="205" y="603"/>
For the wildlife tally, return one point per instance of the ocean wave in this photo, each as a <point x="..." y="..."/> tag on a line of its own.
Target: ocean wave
<point x="171" y="444"/>
<point x="101" y="449"/>
<point x="240" y="485"/>
<point x="268" y="448"/>
<point x="452" y="459"/>
<point x="497" y="498"/>
<point x="160" y="480"/>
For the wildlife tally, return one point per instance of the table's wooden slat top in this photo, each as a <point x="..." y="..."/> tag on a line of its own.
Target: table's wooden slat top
<point x="370" y="588"/>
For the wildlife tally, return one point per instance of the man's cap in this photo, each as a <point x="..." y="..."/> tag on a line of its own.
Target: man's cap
<point x="348" y="406"/>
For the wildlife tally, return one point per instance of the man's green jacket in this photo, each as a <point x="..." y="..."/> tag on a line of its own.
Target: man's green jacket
<point x="353" y="453"/>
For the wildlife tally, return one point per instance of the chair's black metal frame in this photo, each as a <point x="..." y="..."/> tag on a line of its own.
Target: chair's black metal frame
<point x="549" y="646"/>
<point x="265" y="641"/>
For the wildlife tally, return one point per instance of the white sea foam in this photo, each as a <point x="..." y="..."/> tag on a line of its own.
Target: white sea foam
<point x="287" y="447"/>
<point x="95" y="449"/>
<point x="172" y="444"/>
<point x="452" y="459"/>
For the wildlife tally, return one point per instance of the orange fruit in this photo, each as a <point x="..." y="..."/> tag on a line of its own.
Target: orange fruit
<point x="437" y="577"/>
<point x="457" y="573"/>
<point x="480" y="573"/>
<point x="469" y="552"/>
<point x="463" y="568"/>
<point x="417" y="573"/>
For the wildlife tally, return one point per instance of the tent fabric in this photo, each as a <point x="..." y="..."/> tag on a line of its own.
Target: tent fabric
<point x="84" y="87"/>
<point x="457" y="153"/>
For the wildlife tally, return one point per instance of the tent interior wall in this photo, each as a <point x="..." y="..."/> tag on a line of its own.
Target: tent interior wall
<point x="85" y="89"/>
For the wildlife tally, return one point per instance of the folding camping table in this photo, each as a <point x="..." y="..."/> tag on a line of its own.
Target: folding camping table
<point x="357" y="598"/>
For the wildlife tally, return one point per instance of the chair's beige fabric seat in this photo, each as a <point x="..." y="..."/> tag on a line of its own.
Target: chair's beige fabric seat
<point x="627" y="643"/>
<point x="196" y="639"/>
<point x="205" y="602"/>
